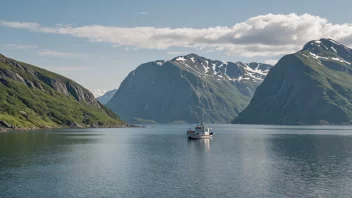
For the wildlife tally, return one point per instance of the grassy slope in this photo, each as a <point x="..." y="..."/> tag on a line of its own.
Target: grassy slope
<point x="336" y="83"/>
<point x="25" y="107"/>
<point x="228" y="94"/>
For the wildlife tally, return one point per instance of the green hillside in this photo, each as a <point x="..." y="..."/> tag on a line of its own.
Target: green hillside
<point x="312" y="86"/>
<point x="31" y="97"/>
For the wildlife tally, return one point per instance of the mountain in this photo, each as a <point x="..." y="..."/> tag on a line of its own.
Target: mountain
<point x="312" y="86"/>
<point x="97" y="92"/>
<point x="186" y="89"/>
<point x="31" y="97"/>
<point x="106" y="97"/>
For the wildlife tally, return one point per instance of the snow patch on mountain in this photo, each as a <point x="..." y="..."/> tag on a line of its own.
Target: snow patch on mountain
<point x="218" y="69"/>
<point x="341" y="60"/>
<point x="181" y="58"/>
<point x="160" y="63"/>
<point x="334" y="42"/>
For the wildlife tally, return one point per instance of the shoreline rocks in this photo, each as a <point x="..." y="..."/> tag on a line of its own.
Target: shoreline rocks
<point x="6" y="125"/>
<point x="54" y="128"/>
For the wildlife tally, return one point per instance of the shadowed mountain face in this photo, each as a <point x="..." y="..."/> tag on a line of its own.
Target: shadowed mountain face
<point x="34" y="97"/>
<point x="187" y="88"/>
<point x="312" y="86"/>
<point x="106" y="97"/>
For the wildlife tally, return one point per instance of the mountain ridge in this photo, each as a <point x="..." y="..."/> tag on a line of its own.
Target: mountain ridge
<point x="187" y="88"/>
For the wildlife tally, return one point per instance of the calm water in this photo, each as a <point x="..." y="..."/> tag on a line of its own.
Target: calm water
<point x="240" y="161"/>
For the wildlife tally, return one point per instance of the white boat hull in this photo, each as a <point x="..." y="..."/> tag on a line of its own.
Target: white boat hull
<point x="200" y="136"/>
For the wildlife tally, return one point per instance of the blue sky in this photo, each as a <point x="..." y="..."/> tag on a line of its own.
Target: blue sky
<point x="96" y="43"/>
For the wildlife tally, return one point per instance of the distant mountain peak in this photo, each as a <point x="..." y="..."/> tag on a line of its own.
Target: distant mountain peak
<point x="327" y="50"/>
<point x="324" y="44"/>
<point x="238" y="71"/>
<point x="188" y="57"/>
<point x="192" y="55"/>
<point x="203" y="67"/>
<point x="159" y="62"/>
<point x="106" y="97"/>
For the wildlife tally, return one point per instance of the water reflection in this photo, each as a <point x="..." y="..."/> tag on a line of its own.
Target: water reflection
<point x="199" y="145"/>
<point x="315" y="164"/>
<point x="23" y="151"/>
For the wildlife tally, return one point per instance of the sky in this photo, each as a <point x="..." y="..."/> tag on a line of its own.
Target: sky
<point x="97" y="43"/>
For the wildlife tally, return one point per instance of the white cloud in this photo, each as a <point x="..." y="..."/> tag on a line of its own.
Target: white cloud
<point x="52" y="53"/>
<point x="41" y="52"/>
<point x="143" y="13"/>
<point x="271" y="61"/>
<point x="177" y="53"/>
<point x="263" y="35"/>
<point x="130" y="49"/>
<point x="19" y="47"/>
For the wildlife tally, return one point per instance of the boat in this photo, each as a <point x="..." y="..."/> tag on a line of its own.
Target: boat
<point x="200" y="132"/>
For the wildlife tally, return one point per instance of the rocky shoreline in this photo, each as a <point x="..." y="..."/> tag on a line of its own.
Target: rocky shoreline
<point x="10" y="129"/>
